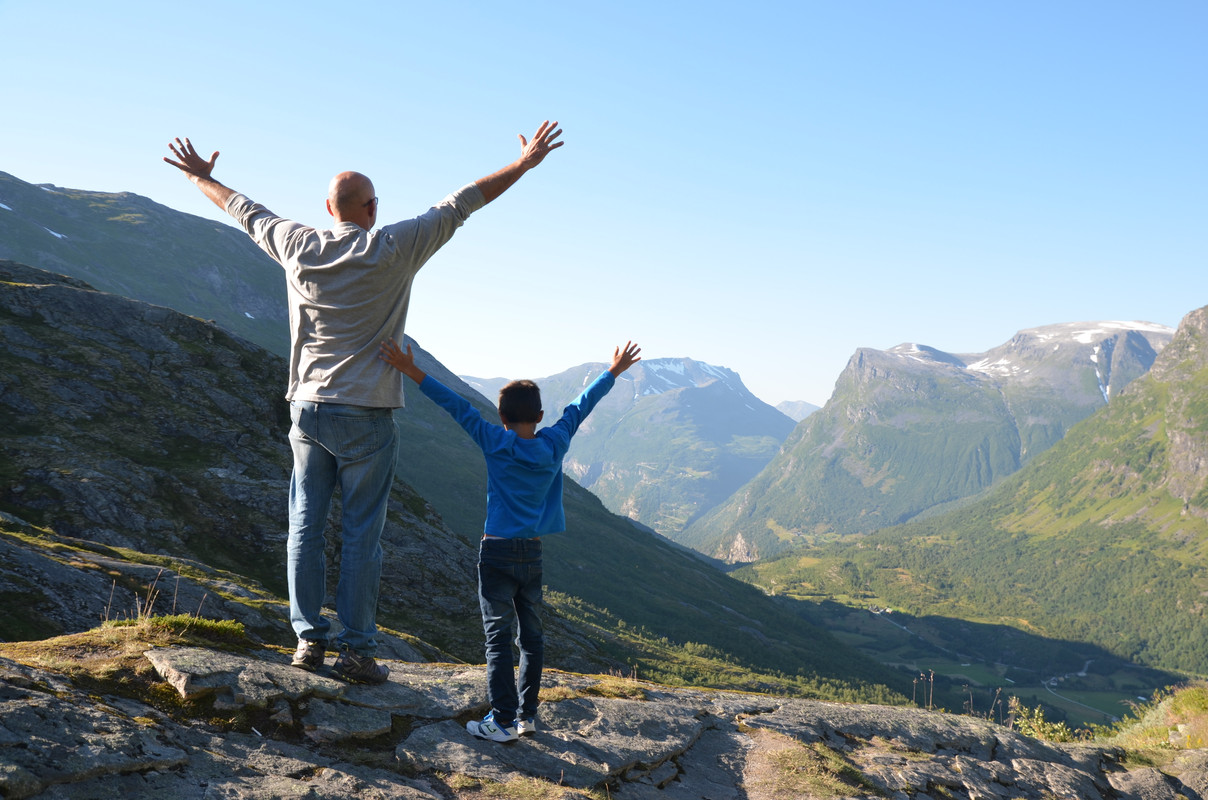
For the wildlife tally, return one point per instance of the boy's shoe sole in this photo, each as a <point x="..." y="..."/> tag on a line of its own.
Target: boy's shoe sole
<point x="487" y="729"/>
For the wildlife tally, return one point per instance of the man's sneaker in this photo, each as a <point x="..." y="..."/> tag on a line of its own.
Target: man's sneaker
<point x="309" y="655"/>
<point x="359" y="669"/>
<point x="526" y="726"/>
<point x="487" y="729"/>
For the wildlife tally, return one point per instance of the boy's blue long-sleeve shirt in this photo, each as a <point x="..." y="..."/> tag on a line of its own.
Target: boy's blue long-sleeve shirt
<point x="524" y="476"/>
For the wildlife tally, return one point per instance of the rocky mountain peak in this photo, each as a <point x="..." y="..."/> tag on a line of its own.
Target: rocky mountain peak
<point x="1190" y="348"/>
<point x="925" y="354"/>
<point x="912" y="428"/>
<point x="658" y="375"/>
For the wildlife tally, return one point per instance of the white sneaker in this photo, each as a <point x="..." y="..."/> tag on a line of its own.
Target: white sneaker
<point x="526" y="727"/>
<point x="487" y="729"/>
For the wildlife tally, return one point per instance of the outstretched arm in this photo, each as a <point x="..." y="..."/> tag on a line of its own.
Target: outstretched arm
<point x="198" y="170"/>
<point x="624" y="359"/>
<point x="574" y="414"/>
<point x="403" y="362"/>
<point x="532" y="153"/>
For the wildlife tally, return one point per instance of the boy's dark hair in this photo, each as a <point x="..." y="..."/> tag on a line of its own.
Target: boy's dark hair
<point x="520" y="401"/>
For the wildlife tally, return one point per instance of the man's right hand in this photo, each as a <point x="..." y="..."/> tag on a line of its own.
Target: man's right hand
<point x="534" y="152"/>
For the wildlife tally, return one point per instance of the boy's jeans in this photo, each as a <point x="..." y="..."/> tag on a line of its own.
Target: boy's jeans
<point x="509" y="589"/>
<point x="354" y="448"/>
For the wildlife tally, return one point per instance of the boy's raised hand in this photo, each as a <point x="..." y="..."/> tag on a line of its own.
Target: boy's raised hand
<point x="624" y="359"/>
<point x="404" y="362"/>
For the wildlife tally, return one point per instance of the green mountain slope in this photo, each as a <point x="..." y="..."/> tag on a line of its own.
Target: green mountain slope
<point x="1101" y="539"/>
<point x="912" y="429"/>
<point x="132" y="246"/>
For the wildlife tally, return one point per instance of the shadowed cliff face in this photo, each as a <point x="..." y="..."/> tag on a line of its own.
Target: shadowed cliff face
<point x="120" y="415"/>
<point x="1185" y="412"/>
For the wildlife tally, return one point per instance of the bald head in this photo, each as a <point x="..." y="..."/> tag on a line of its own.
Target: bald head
<point x="350" y="199"/>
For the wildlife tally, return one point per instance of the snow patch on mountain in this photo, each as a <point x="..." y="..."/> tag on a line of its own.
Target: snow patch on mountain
<point x="668" y="374"/>
<point x="1004" y="362"/>
<point x="926" y="355"/>
<point x="910" y="350"/>
<point x="1004" y="367"/>
<point x="1108" y="348"/>
<point x="6" y="208"/>
<point x="1088" y="332"/>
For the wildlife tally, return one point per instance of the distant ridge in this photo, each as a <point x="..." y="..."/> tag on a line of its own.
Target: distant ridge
<point x="912" y="428"/>
<point x="796" y="409"/>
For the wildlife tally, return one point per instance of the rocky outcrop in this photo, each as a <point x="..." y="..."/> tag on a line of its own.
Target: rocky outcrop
<point x="275" y="731"/>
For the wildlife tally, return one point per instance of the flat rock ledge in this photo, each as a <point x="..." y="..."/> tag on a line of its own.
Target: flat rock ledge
<point x="293" y="734"/>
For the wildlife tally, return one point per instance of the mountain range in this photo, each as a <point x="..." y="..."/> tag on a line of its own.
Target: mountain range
<point x="673" y="439"/>
<point x="1102" y="539"/>
<point x="912" y="429"/>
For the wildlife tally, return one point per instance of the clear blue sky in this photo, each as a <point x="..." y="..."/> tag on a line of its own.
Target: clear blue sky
<point x="761" y="186"/>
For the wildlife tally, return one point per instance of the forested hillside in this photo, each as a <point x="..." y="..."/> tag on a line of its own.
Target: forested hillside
<point x="1102" y="539"/>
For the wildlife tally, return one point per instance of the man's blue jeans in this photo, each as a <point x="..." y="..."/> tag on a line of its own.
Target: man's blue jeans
<point x="509" y="591"/>
<point x="354" y="448"/>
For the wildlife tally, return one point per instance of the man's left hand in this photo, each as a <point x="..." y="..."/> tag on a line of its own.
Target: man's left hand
<point x="188" y="160"/>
